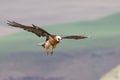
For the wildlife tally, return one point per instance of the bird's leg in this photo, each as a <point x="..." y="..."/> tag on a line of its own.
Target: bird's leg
<point x="53" y="48"/>
<point x="47" y="49"/>
<point x="52" y="51"/>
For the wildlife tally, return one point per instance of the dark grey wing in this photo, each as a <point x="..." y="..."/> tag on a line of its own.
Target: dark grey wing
<point x="34" y="29"/>
<point x="76" y="37"/>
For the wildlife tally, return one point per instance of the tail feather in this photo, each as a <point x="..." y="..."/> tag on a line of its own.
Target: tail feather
<point x="41" y="44"/>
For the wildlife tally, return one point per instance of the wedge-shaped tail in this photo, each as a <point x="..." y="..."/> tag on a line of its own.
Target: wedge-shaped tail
<point x="41" y="44"/>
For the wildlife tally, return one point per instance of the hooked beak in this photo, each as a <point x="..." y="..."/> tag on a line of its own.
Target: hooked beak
<point x="59" y="40"/>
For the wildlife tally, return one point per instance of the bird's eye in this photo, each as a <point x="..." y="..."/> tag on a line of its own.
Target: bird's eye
<point x="58" y="39"/>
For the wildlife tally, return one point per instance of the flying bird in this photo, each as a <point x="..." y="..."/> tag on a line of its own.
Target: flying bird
<point x="51" y="40"/>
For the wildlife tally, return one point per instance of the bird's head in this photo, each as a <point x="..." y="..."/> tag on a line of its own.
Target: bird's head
<point x="58" y="38"/>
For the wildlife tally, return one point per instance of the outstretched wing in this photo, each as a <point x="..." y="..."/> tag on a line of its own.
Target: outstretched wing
<point x="76" y="37"/>
<point x="34" y="29"/>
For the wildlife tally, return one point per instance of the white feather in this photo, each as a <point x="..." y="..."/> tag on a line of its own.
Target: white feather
<point x="40" y="44"/>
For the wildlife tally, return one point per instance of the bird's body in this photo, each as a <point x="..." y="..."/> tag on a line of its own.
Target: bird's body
<point x="51" y="40"/>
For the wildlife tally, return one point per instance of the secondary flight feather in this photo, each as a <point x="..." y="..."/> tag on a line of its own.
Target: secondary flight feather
<point x="51" y="40"/>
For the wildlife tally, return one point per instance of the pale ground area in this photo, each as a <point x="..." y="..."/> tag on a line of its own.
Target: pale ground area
<point x="46" y="12"/>
<point x="113" y="74"/>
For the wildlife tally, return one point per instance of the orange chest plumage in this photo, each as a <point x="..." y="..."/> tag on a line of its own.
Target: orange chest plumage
<point x="53" y="41"/>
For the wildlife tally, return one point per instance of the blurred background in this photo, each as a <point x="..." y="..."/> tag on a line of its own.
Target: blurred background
<point x="88" y="59"/>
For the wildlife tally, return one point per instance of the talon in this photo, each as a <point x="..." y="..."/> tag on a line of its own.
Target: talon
<point x="47" y="53"/>
<point x="51" y="53"/>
